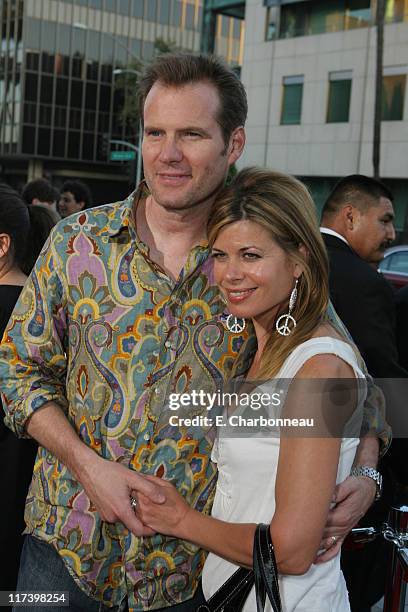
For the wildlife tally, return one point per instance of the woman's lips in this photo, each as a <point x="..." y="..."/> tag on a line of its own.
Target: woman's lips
<point x="236" y="296"/>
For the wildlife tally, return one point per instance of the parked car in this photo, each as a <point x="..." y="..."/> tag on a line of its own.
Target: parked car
<point x="394" y="266"/>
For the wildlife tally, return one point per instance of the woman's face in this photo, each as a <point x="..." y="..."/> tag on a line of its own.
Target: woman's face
<point x="255" y="275"/>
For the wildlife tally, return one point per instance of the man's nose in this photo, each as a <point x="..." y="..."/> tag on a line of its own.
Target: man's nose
<point x="391" y="232"/>
<point x="170" y="151"/>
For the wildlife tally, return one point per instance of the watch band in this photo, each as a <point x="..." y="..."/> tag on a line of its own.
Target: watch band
<point x="369" y="472"/>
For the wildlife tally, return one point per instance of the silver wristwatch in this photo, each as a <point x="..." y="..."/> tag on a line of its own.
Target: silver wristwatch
<point x="369" y="472"/>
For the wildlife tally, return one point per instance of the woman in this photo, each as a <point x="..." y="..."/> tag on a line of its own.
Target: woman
<point x="23" y="230"/>
<point x="270" y="264"/>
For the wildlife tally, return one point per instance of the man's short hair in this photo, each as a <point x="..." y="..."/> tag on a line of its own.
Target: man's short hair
<point x="179" y="69"/>
<point x="361" y="191"/>
<point x="80" y="191"/>
<point x="39" y="189"/>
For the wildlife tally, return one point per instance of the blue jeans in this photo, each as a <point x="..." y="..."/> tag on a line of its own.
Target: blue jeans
<point x="42" y="569"/>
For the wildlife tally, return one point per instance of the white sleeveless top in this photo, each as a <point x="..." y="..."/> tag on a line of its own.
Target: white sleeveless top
<point x="246" y="494"/>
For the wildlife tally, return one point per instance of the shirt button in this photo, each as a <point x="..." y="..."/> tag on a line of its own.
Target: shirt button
<point x="155" y="353"/>
<point x="157" y="390"/>
<point x="167" y="344"/>
<point x="147" y="436"/>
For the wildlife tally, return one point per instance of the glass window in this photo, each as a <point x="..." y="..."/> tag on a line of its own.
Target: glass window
<point x="190" y="10"/>
<point x="110" y="5"/>
<point x="90" y="96"/>
<point x="30" y="111"/>
<point x="92" y="71"/>
<point x="87" y="145"/>
<point x="177" y="13"/>
<point x="123" y="7"/>
<point x="76" y="94"/>
<point x="32" y="61"/>
<point x="136" y="7"/>
<point x="75" y="119"/>
<point x="31" y="87"/>
<point x="64" y="39"/>
<point x="305" y="18"/>
<point x="104" y="98"/>
<point x="393" y="93"/>
<point x="48" y="36"/>
<point x="28" y="139"/>
<point x="32" y="33"/>
<point x="46" y="89"/>
<point x="396" y="10"/>
<point x="44" y="141"/>
<point x="399" y="262"/>
<point x="61" y="94"/>
<point x="164" y="8"/>
<point x="58" y="147"/>
<point x="292" y="100"/>
<point x="338" y="105"/>
<point x="148" y="49"/>
<point x="271" y="17"/>
<point x="45" y="114"/>
<point x="94" y="39"/>
<point x="152" y="10"/>
<point x="73" y="144"/>
<point x="47" y="63"/>
<point x="60" y="116"/>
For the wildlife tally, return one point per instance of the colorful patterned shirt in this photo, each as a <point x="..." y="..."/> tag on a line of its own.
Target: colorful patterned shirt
<point x="104" y="332"/>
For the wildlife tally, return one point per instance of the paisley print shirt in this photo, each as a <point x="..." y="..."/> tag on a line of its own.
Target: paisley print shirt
<point x="104" y="332"/>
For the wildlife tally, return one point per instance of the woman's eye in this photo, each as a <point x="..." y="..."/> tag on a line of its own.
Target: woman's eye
<point x="251" y="256"/>
<point x="218" y="255"/>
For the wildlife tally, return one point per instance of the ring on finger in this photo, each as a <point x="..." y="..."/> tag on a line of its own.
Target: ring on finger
<point x="333" y="541"/>
<point x="133" y="502"/>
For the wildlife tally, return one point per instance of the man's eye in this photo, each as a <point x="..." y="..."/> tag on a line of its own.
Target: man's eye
<point x="153" y="132"/>
<point x="192" y="135"/>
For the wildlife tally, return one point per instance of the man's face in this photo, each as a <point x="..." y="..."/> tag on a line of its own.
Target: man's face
<point x="373" y="231"/>
<point x="184" y="154"/>
<point x="68" y="205"/>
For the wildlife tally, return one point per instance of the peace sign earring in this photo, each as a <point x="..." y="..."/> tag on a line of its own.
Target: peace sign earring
<point x="234" y="324"/>
<point x="286" y="323"/>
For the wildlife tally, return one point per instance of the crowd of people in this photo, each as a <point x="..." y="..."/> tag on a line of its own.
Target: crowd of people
<point x="191" y="286"/>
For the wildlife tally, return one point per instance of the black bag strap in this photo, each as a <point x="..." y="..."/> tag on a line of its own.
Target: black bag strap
<point x="265" y="570"/>
<point x="232" y="594"/>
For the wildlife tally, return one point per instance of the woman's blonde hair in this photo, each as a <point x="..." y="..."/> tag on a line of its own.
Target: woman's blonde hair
<point x="283" y="206"/>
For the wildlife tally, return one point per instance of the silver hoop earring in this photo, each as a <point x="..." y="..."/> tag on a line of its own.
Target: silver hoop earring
<point x="234" y="324"/>
<point x="286" y="323"/>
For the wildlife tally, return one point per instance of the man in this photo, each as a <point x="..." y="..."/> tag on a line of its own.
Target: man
<point x="401" y="302"/>
<point x="357" y="227"/>
<point x="75" y="196"/>
<point x="40" y="192"/>
<point x="124" y="311"/>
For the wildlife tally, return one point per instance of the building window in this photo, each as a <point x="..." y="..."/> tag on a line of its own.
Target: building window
<point x="292" y="100"/>
<point x="338" y="105"/>
<point x="393" y="94"/>
<point x="396" y="10"/>
<point x="306" y="18"/>
<point x="271" y="21"/>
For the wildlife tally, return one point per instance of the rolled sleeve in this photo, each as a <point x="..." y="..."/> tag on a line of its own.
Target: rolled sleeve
<point x="32" y="351"/>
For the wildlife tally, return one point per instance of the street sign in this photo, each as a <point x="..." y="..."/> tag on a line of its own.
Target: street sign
<point x="122" y="155"/>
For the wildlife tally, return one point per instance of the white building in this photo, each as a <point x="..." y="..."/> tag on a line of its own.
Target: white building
<point x="309" y="70"/>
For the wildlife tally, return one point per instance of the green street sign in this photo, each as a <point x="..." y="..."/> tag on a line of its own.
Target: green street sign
<point x="122" y="155"/>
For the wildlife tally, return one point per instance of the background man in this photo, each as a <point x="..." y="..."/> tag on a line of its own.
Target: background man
<point x="40" y="192"/>
<point x="121" y="311"/>
<point x="357" y="227"/>
<point x="75" y="196"/>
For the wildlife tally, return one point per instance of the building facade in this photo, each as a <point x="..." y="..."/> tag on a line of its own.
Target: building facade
<point x="309" y="69"/>
<point x="61" y="97"/>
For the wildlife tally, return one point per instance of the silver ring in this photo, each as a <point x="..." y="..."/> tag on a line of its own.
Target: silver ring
<point x="133" y="502"/>
<point x="334" y="541"/>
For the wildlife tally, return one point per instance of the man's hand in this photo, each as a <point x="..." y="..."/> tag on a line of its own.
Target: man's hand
<point x="109" y="486"/>
<point x="353" y="497"/>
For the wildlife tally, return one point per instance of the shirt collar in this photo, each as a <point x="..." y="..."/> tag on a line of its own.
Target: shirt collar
<point x="122" y="217"/>
<point x="330" y="232"/>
